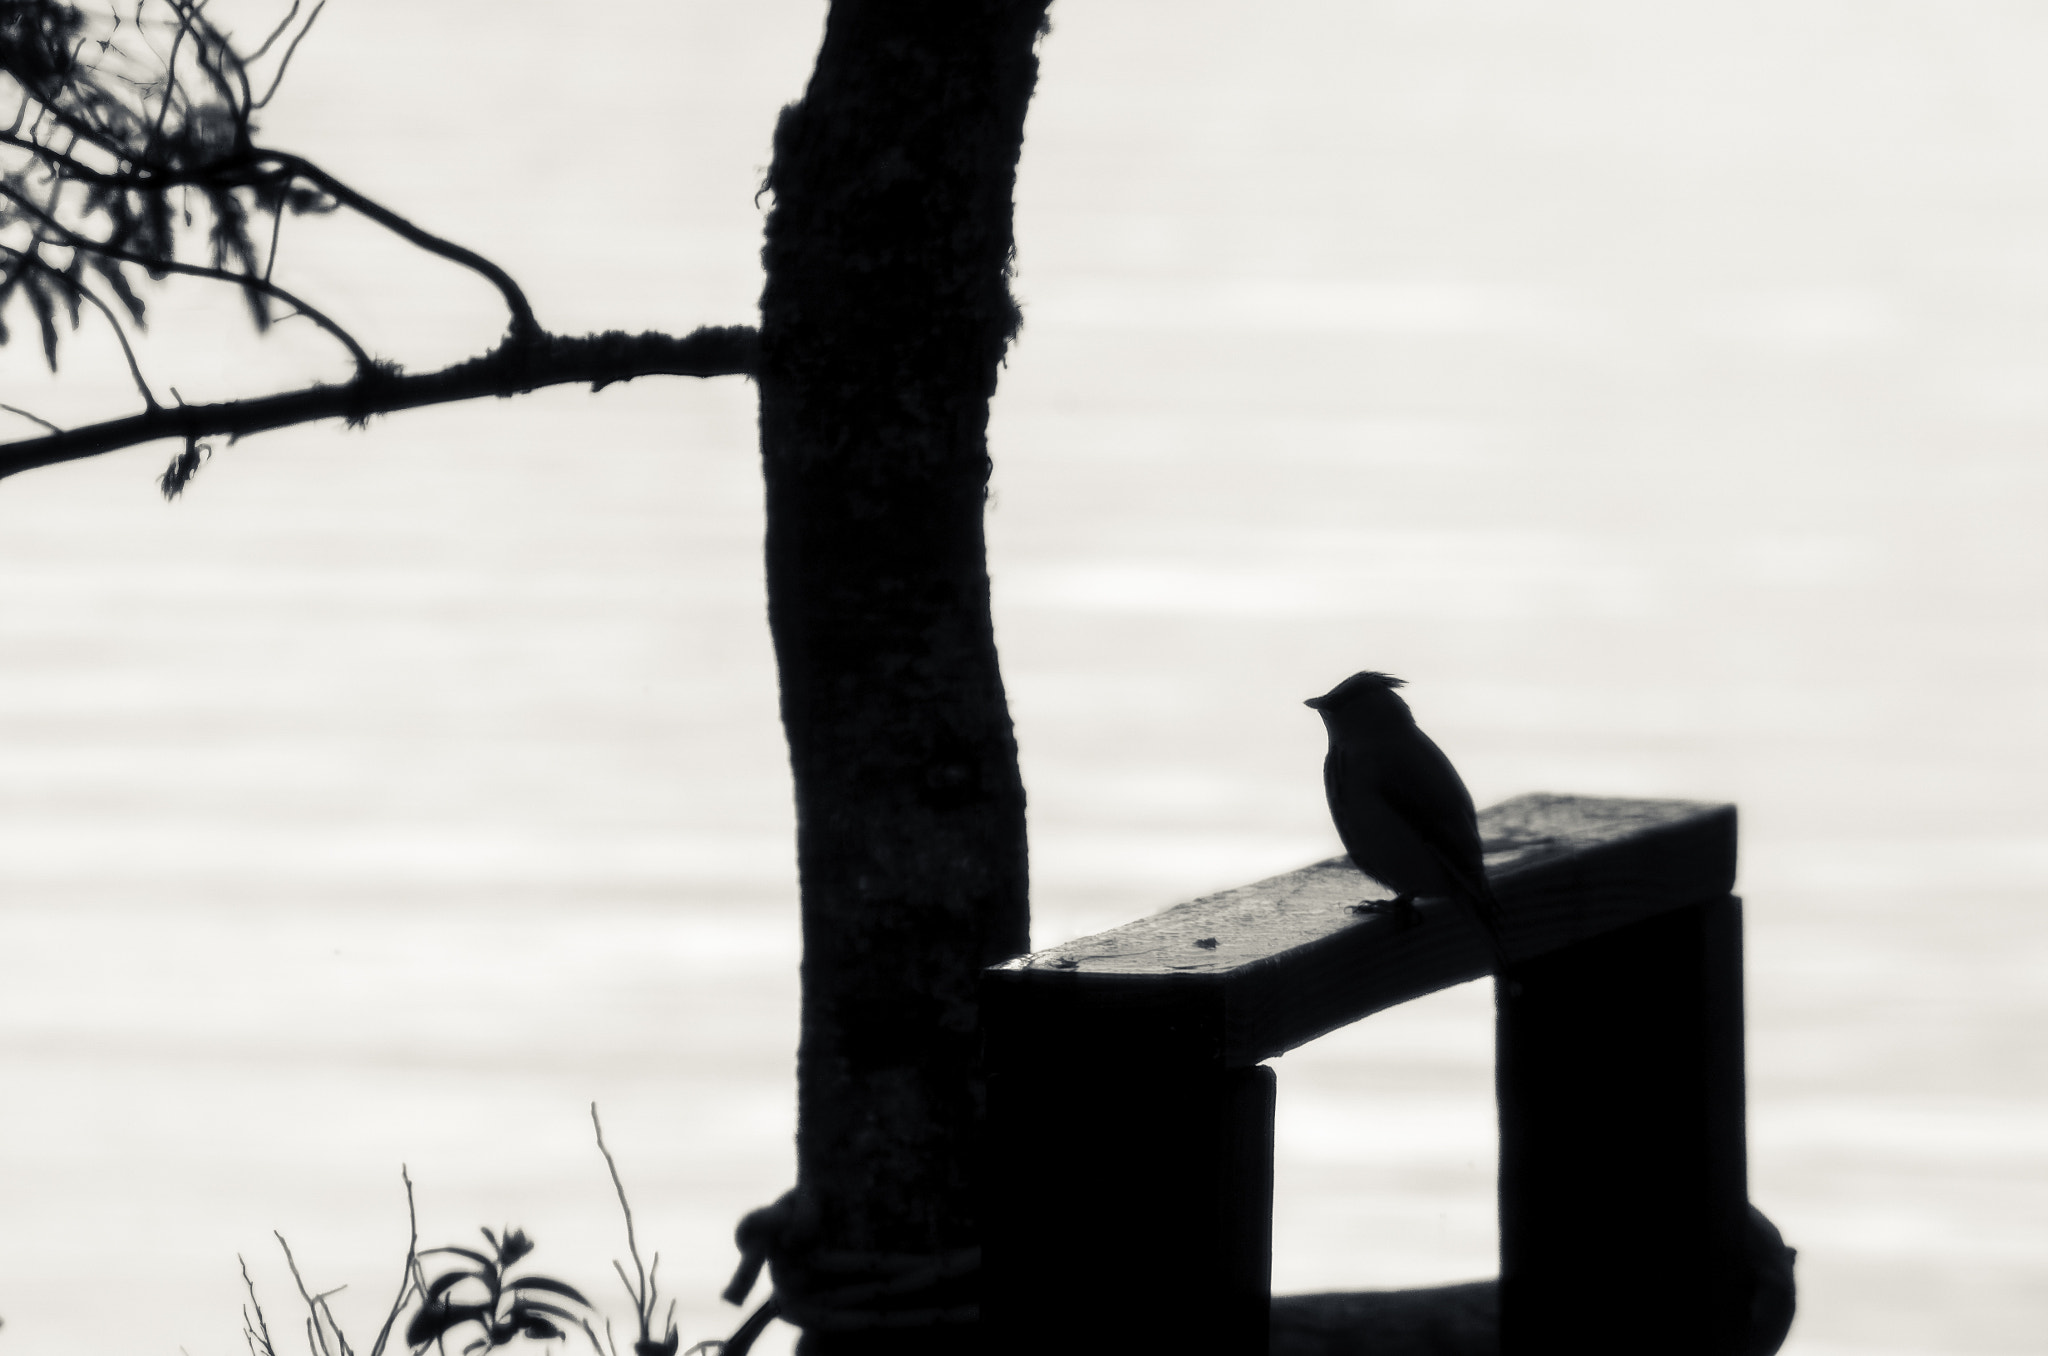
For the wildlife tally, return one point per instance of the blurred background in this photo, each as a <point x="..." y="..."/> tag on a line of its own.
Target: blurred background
<point x="1659" y="389"/>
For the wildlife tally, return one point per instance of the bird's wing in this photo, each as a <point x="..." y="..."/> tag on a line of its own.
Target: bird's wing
<point x="1425" y="792"/>
<point x="1421" y="787"/>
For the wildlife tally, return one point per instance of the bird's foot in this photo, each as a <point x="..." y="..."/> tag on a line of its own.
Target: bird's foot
<point x="1402" y="907"/>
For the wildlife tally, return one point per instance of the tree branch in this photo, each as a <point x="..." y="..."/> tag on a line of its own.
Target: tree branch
<point x="510" y="369"/>
<point x="523" y="324"/>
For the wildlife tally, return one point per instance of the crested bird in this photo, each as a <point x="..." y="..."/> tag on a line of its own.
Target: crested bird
<point x="1400" y="807"/>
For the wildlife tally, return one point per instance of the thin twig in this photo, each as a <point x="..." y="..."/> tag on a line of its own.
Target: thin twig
<point x="262" y="1327"/>
<point x="524" y="326"/>
<point x="223" y="59"/>
<point x="134" y="367"/>
<point x="276" y="230"/>
<point x="405" y="1280"/>
<point x="170" y="86"/>
<point x="639" y="1294"/>
<point x="311" y="1304"/>
<point x="62" y="160"/>
<point x="276" y="32"/>
<point x="325" y="1310"/>
<point x="36" y="418"/>
<point x="287" y="61"/>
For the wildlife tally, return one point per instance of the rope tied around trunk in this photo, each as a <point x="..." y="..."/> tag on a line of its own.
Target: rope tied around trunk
<point x="841" y="1290"/>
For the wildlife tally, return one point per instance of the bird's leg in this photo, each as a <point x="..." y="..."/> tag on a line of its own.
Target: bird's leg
<point x="1401" y="906"/>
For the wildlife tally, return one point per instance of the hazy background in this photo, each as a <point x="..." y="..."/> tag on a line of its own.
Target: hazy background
<point x="1660" y="389"/>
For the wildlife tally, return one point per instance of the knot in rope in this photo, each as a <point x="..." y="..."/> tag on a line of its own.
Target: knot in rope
<point x="844" y="1290"/>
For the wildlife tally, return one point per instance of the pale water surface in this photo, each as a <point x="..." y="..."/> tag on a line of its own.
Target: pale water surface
<point x="1660" y="389"/>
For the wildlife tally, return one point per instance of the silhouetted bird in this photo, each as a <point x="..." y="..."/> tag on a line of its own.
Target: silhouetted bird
<point x="1404" y="815"/>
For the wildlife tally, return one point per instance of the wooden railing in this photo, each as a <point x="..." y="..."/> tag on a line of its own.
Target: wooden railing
<point x="1130" y="1127"/>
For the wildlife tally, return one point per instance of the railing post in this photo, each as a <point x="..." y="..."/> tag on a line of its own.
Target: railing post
<point x="1623" y="1171"/>
<point x="1131" y="1204"/>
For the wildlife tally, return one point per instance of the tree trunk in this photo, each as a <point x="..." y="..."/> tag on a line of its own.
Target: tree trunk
<point x="885" y="316"/>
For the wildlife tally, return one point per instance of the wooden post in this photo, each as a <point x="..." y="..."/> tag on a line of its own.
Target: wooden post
<point x="1623" y="1173"/>
<point x="1131" y="1209"/>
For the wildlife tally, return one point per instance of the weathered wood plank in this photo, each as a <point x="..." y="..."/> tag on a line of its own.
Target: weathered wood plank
<point x="1252" y="972"/>
<point x="1443" y="1320"/>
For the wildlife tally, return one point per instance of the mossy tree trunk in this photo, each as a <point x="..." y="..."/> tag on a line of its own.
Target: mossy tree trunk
<point x="885" y="316"/>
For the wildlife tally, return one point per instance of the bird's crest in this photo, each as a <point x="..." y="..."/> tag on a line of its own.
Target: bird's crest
<point x="1352" y="687"/>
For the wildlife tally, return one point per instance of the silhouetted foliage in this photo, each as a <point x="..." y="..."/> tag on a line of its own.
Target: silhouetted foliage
<point x="480" y="1302"/>
<point x="485" y="1293"/>
<point x="128" y="129"/>
<point x="131" y="131"/>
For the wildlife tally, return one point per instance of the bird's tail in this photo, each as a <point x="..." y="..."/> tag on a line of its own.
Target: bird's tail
<point x="1486" y="912"/>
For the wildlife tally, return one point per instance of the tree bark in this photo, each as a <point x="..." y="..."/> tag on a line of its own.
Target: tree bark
<point x="885" y="316"/>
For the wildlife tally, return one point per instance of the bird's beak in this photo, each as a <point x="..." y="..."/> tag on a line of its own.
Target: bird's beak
<point x="1314" y="703"/>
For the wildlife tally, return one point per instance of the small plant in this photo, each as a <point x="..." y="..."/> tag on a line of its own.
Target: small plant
<point x="485" y="1293"/>
<point x="323" y="1334"/>
<point x="482" y="1292"/>
<point x="640" y="1286"/>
